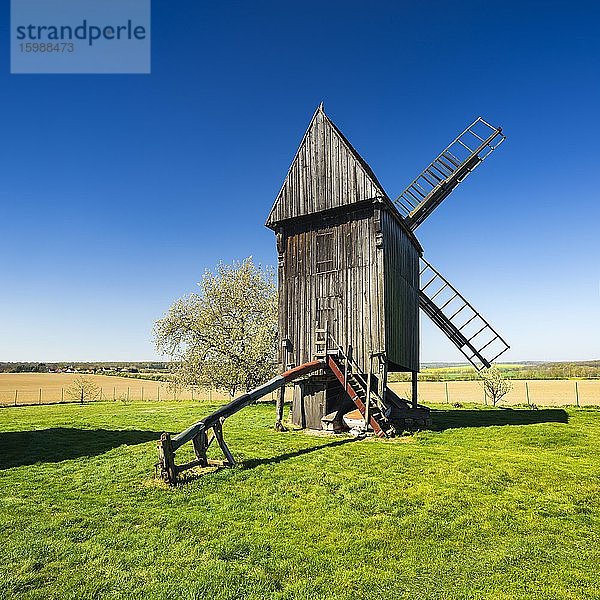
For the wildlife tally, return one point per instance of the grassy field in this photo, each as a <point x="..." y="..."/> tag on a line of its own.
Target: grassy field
<point x="498" y="504"/>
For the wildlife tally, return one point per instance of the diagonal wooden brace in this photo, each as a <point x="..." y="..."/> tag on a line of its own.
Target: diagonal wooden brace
<point x="218" y="429"/>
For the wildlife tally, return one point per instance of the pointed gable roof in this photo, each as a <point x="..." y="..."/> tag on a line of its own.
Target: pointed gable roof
<point x="326" y="173"/>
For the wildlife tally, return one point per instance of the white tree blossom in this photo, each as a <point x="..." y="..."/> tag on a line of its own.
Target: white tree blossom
<point x="225" y="336"/>
<point x="494" y="383"/>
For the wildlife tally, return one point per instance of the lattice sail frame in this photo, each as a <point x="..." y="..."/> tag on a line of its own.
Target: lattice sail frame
<point x="464" y="326"/>
<point x="460" y="158"/>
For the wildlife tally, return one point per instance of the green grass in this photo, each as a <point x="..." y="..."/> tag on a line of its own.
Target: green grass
<point x="498" y="504"/>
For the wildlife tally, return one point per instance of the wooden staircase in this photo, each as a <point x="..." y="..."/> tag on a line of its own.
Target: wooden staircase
<point x="383" y="410"/>
<point x="358" y="387"/>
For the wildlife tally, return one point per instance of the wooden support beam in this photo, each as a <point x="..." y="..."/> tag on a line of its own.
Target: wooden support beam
<point x="200" y="433"/>
<point x="368" y="400"/>
<point x="201" y="443"/>
<point x="166" y="459"/>
<point x="279" y="405"/>
<point x="415" y="397"/>
<point x="218" y="429"/>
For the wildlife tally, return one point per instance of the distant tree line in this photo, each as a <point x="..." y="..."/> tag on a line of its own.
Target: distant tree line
<point x="567" y="370"/>
<point x="117" y="368"/>
<point x="24" y="368"/>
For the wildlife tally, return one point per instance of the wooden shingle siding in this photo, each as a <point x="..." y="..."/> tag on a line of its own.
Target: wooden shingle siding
<point x="326" y="173"/>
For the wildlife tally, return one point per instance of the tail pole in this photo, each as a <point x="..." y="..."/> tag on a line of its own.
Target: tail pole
<point x="203" y="433"/>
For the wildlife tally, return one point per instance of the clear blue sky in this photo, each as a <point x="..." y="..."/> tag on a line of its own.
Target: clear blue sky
<point x="118" y="191"/>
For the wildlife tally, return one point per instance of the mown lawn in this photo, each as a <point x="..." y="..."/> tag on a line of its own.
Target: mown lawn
<point x="494" y="504"/>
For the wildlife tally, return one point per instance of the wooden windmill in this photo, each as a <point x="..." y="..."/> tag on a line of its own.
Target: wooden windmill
<point x="351" y="281"/>
<point x="352" y="277"/>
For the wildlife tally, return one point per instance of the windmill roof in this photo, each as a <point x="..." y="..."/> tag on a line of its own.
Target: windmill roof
<point x="326" y="173"/>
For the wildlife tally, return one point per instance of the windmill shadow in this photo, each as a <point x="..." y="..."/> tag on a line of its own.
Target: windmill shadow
<point x="19" y="448"/>
<point x="273" y="460"/>
<point x="252" y="463"/>
<point x="454" y="419"/>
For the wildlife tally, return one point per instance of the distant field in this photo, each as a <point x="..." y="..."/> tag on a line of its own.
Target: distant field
<point x="525" y="371"/>
<point x="57" y="387"/>
<point x="542" y="392"/>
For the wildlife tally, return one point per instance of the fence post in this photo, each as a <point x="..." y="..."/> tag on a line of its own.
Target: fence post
<point x="447" y="396"/>
<point x="158" y="392"/>
<point x="16" y="396"/>
<point x="484" y="396"/>
<point x="114" y="392"/>
<point x="40" y="400"/>
<point x="527" y="393"/>
<point x="100" y="393"/>
<point x="577" y="393"/>
<point x="81" y="395"/>
<point x="127" y="393"/>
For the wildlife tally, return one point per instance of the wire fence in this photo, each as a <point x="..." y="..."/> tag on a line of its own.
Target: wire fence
<point x="123" y="393"/>
<point x="538" y="392"/>
<point x="524" y="392"/>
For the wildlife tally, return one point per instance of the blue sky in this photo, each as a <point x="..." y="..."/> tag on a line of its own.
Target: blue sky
<point x="117" y="191"/>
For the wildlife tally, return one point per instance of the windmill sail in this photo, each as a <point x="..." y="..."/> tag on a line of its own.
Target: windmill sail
<point x="456" y="317"/>
<point x="451" y="167"/>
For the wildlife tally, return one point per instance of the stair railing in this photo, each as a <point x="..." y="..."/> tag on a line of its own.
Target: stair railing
<point x="368" y="400"/>
<point x="351" y="367"/>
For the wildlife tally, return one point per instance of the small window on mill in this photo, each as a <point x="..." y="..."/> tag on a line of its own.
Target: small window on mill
<point x="325" y="251"/>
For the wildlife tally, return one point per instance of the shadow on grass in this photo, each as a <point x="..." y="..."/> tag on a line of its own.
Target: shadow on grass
<point x="252" y="463"/>
<point x="18" y="448"/>
<point x="452" y="419"/>
<point x="273" y="460"/>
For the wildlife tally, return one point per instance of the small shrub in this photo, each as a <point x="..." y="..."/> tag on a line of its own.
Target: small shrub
<point x="84" y="389"/>
<point x="495" y="384"/>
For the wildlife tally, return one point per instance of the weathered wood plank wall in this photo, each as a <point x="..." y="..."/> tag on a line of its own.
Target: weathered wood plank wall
<point x="345" y="257"/>
<point x="401" y="268"/>
<point x="332" y="271"/>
